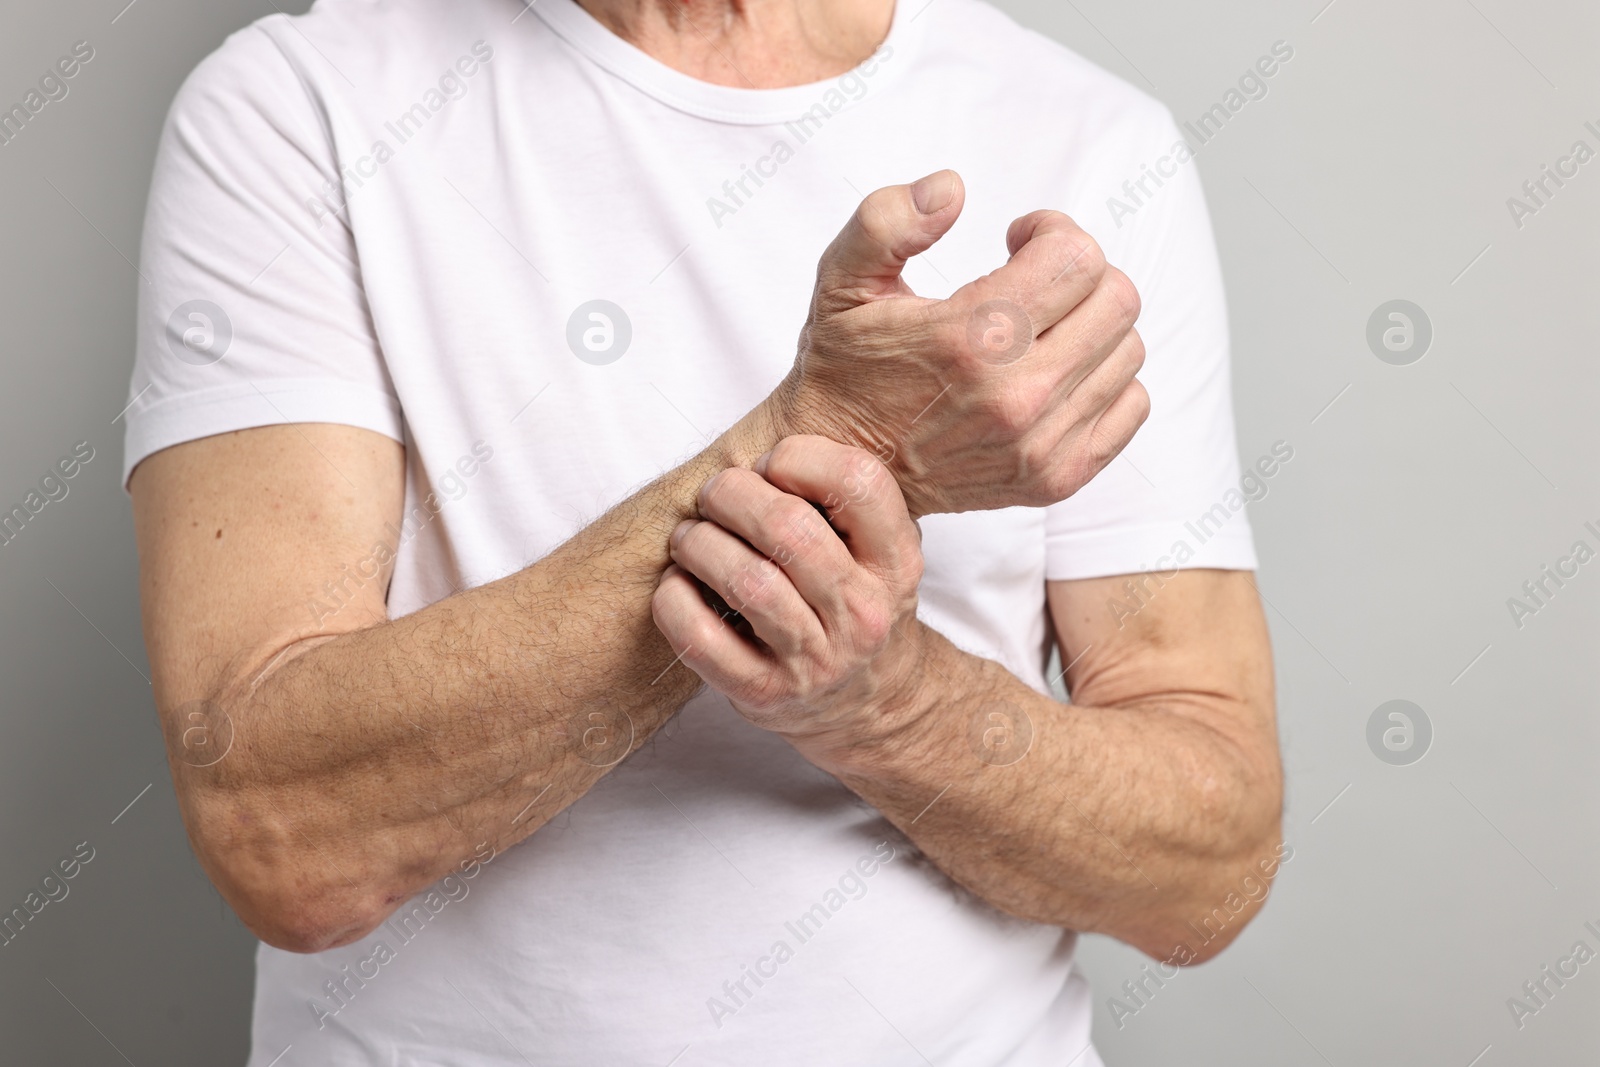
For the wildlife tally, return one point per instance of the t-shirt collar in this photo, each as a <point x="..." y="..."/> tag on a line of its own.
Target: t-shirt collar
<point x="722" y="103"/>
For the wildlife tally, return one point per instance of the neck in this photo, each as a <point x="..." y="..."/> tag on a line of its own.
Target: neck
<point x="750" y="44"/>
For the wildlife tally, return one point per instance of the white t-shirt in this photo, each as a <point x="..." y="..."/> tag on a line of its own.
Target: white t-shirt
<point x="396" y="215"/>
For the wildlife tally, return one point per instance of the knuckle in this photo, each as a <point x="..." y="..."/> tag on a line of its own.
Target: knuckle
<point x="793" y="525"/>
<point x="1120" y="288"/>
<point x="1136" y="351"/>
<point x="690" y="544"/>
<point x="1014" y="411"/>
<point x="700" y="632"/>
<point x="1115" y="431"/>
<point x="857" y="461"/>
<point x="719" y="487"/>
<point x="873" y="215"/>
<point x="1107" y="440"/>
<point x="1040" y="467"/>
<point x="1061" y="481"/>
<point x="870" y="209"/>
<point x="1049" y="221"/>
<point x="783" y="513"/>
<point x="873" y="621"/>
<point x="1051" y="474"/>
<point x="787" y="451"/>
<point x="760" y="694"/>
<point x="1141" y="402"/>
<point x="1104" y="444"/>
<point x="859" y="475"/>
<point x="874" y="467"/>
<point x="1089" y="259"/>
<point x="1081" y="252"/>
<point x="752" y="585"/>
<point x="914" y="565"/>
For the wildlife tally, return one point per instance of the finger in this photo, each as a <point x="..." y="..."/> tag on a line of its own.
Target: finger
<point x="891" y="225"/>
<point x="1117" y="424"/>
<point x="864" y="501"/>
<point x="785" y="528"/>
<point x="1075" y="347"/>
<point x="1054" y="266"/>
<point x="704" y="641"/>
<point x="751" y="583"/>
<point x="1102" y="386"/>
<point x="1070" y="423"/>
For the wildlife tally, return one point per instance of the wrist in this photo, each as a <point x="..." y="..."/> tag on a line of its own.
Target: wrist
<point x="796" y="408"/>
<point x="791" y="409"/>
<point x="751" y="437"/>
<point x="740" y="445"/>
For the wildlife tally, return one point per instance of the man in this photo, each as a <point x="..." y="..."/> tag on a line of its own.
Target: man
<point x="519" y="695"/>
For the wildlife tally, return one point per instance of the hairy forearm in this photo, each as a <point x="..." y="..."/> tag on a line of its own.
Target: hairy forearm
<point x="369" y="764"/>
<point x="1133" y="821"/>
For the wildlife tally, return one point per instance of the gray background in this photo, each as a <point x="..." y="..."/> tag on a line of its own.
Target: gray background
<point x="1420" y="498"/>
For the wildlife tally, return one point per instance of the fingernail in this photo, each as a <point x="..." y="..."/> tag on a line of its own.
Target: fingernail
<point x="678" y="532"/>
<point x="760" y="466"/>
<point x="934" y="193"/>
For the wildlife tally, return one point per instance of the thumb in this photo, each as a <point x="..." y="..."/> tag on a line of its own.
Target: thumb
<point x="893" y="224"/>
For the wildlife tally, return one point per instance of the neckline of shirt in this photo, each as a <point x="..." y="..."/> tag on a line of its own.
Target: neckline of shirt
<point x="719" y="103"/>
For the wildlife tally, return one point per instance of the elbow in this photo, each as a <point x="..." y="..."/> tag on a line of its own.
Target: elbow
<point x="1214" y="915"/>
<point x="286" y="892"/>
<point x="1205" y="945"/>
<point x="1233" y="886"/>
<point x="1225" y="891"/>
<point x="1221" y="867"/>
<point x="296" y="927"/>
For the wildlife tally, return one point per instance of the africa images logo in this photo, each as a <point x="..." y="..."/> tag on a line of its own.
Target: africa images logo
<point x="599" y="332"/>
<point x="199" y="332"/>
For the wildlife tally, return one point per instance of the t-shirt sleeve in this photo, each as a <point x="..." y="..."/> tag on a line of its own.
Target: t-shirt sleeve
<point x="1172" y="499"/>
<point x="251" y="308"/>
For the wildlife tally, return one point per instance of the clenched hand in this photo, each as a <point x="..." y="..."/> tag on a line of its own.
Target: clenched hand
<point x="830" y="608"/>
<point x="1018" y="389"/>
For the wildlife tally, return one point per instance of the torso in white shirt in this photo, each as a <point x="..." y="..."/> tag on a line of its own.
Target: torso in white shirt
<point x="407" y="213"/>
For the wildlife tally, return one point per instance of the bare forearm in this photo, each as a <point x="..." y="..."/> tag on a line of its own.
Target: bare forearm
<point x="1131" y="820"/>
<point x="366" y="766"/>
